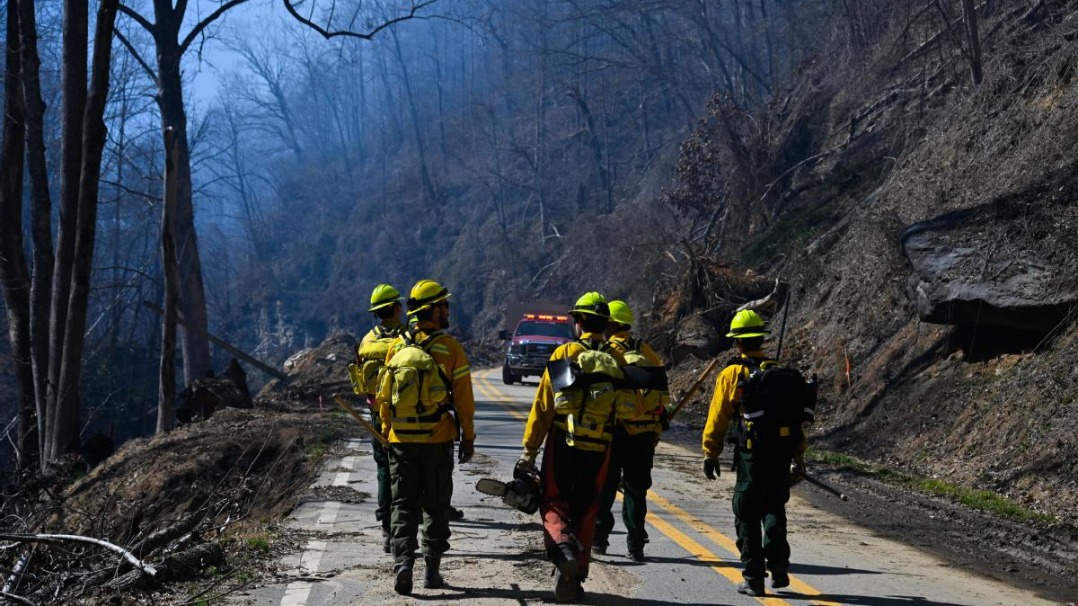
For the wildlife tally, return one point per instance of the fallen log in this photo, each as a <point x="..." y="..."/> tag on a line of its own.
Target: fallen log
<point x="230" y="348"/>
<point x="143" y="567"/>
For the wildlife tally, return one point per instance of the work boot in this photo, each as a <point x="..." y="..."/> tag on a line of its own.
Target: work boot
<point x="432" y="578"/>
<point x="600" y="547"/>
<point x="637" y="555"/>
<point x="455" y="514"/>
<point x="385" y="542"/>
<point x="566" y="561"/>
<point x="753" y="587"/>
<point x="402" y="579"/>
<point x="566" y="587"/>
<point x="779" y="579"/>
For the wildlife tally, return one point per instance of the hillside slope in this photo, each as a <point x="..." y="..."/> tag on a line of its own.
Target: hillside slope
<point x="927" y="227"/>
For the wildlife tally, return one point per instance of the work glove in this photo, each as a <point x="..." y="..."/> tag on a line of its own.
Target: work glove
<point x="797" y="472"/>
<point x="467" y="450"/>
<point x="712" y="469"/>
<point x="526" y="463"/>
<point x="664" y="418"/>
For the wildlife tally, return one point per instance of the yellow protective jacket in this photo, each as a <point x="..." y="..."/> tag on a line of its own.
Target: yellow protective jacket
<point x="388" y="324"/>
<point x="644" y="420"/>
<point x="724" y="407"/>
<point x="542" y="414"/>
<point x="448" y="354"/>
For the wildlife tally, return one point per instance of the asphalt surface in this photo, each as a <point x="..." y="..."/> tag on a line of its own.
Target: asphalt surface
<point x="497" y="558"/>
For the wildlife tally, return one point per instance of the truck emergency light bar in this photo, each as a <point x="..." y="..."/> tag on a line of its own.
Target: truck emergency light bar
<point x="547" y="317"/>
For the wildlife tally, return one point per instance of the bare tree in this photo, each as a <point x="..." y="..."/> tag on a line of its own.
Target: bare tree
<point x="13" y="271"/>
<point x="170" y="45"/>
<point x="166" y="389"/>
<point x="93" y="145"/>
<point x="56" y="419"/>
<point x="420" y="141"/>
<point x="41" y="210"/>
<point x="168" y="20"/>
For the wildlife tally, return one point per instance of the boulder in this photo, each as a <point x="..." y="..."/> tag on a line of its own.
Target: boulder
<point x="1009" y="264"/>
<point x="695" y="336"/>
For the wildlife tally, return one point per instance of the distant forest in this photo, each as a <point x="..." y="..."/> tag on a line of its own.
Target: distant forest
<point x="511" y="149"/>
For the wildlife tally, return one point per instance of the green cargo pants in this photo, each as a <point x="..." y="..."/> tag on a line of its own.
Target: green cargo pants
<point x="760" y="496"/>
<point x="422" y="479"/>
<point x="631" y="459"/>
<point x="385" y="489"/>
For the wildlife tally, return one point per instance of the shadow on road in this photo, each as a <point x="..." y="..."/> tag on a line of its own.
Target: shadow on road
<point x="864" y="600"/>
<point x="810" y="569"/>
<point x="687" y="560"/>
<point x="514" y="592"/>
<point x="525" y="527"/>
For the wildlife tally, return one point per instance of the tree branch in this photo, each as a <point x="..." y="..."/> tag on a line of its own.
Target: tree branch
<point x="17" y="599"/>
<point x="202" y="25"/>
<point x="134" y="53"/>
<point x="327" y="34"/>
<point x="136" y="17"/>
<point x="71" y="538"/>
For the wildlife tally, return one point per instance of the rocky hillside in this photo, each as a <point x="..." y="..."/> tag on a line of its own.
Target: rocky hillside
<point x="927" y="226"/>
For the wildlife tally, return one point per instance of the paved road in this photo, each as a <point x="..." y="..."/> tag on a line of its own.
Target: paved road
<point x="496" y="556"/>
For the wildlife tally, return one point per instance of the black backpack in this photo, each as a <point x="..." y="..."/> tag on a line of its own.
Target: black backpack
<point x="774" y="402"/>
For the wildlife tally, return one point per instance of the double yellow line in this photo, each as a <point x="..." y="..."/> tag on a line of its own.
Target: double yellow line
<point x="488" y="390"/>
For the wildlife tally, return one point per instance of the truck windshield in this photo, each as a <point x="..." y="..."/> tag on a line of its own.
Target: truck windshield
<point x="545" y="329"/>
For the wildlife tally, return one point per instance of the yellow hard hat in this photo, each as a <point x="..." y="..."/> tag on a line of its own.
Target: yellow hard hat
<point x="591" y="303"/>
<point x="384" y="295"/>
<point x="747" y="323"/>
<point x="621" y="313"/>
<point x="424" y="294"/>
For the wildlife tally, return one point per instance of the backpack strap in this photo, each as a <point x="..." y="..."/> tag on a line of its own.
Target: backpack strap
<point x="750" y="363"/>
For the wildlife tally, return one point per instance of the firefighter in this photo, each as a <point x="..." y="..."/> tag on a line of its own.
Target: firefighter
<point x="572" y="419"/>
<point x="426" y="403"/>
<point x="371" y="353"/>
<point x="632" y="452"/>
<point x="764" y="468"/>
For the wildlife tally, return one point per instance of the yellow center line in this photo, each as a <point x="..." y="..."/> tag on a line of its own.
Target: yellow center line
<point x="728" y="544"/>
<point x="695" y="549"/>
<point x="484" y="386"/>
<point x="703" y="554"/>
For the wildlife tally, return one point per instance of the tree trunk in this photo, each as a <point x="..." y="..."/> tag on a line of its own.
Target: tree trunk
<point x="13" y="273"/>
<point x="72" y="109"/>
<point x="539" y="140"/>
<point x="973" y="41"/>
<point x="93" y="140"/>
<point x="166" y="390"/>
<point x="596" y="149"/>
<point x="41" y="205"/>
<point x="192" y="304"/>
<point x="420" y="142"/>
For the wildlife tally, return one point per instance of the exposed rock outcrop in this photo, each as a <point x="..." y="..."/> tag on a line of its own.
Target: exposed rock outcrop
<point x="981" y="267"/>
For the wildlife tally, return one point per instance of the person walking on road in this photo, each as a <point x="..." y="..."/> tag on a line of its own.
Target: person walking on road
<point x="763" y="458"/>
<point x="370" y="358"/>
<point x="573" y="414"/>
<point x="426" y="403"/>
<point x="632" y="452"/>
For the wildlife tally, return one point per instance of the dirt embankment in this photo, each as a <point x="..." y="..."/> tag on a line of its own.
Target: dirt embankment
<point x="958" y="363"/>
